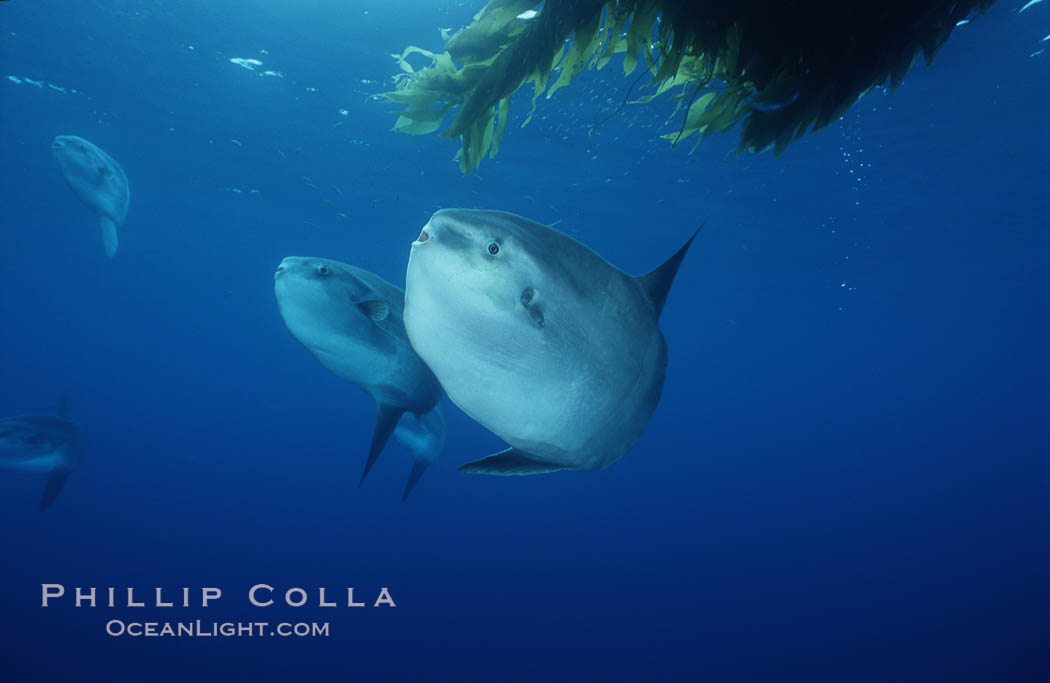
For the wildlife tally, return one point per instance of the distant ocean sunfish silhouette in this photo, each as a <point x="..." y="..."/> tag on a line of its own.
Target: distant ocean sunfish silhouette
<point x="97" y="180"/>
<point x="40" y="444"/>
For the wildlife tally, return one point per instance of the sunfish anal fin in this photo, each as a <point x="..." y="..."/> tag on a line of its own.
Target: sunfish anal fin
<point x="657" y="282"/>
<point x="413" y="478"/>
<point x="386" y="421"/>
<point x="109" y="235"/>
<point x="508" y="463"/>
<point x="375" y="309"/>
<point x="54" y="486"/>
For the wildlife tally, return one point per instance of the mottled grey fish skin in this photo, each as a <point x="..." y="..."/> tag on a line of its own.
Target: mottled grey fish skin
<point x="352" y="321"/>
<point x="97" y="180"/>
<point x="40" y="444"/>
<point x="536" y="337"/>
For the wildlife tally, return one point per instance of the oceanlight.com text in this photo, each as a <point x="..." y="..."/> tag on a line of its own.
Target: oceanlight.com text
<point x="215" y="629"/>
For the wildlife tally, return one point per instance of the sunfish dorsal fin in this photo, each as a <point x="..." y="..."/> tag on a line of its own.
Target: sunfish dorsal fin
<point x="508" y="463"/>
<point x="386" y="421"/>
<point x="657" y="282"/>
<point x="54" y="486"/>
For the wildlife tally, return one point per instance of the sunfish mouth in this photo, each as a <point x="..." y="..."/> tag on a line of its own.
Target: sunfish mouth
<point x="277" y="273"/>
<point x="423" y="237"/>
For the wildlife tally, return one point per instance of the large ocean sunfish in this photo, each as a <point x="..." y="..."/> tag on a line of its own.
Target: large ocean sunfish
<point x="352" y="321"/>
<point x="538" y="338"/>
<point x="40" y="444"/>
<point x="97" y="180"/>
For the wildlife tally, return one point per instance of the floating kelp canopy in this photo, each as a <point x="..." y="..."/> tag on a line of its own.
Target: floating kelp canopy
<point x="776" y="67"/>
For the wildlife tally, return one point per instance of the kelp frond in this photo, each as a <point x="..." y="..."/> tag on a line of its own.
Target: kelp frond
<point x="777" y="69"/>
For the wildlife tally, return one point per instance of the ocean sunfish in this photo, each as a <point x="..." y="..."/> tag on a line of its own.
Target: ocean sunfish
<point x="97" y="180"/>
<point x="538" y="338"/>
<point x="40" y="444"/>
<point x="352" y="321"/>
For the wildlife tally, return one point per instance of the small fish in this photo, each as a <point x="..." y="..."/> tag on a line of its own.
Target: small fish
<point x="248" y="64"/>
<point x="337" y="190"/>
<point x="236" y="142"/>
<point x="1029" y="4"/>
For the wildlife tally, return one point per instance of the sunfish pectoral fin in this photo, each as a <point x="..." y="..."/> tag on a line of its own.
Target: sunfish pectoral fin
<point x="657" y="282"/>
<point x="529" y="301"/>
<point x="413" y="478"/>
<point x="109" y="235"/>
<point x="54" y="486"/>
<point x="375" y="309"/>
<point x="386" y="421"/>
<point x="508" y="463"/>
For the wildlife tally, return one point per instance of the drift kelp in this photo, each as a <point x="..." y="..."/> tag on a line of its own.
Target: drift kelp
<point x="776" y="68"/>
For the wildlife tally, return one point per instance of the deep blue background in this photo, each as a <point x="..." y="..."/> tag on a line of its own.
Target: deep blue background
<point x="846" y="479"/>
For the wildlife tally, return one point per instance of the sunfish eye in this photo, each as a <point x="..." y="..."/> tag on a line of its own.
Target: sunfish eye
<point x="323" y="270"/>
<point x="493" y="248"/>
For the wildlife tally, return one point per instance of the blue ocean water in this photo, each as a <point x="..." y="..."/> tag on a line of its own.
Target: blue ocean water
<point x="845" y="479"/>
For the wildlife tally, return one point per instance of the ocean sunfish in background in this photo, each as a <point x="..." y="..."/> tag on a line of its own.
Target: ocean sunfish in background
<point x="97" y="180"/>
<point x="538" y="338"/>
<point x="424" y="436"/>
<point x="352" y="321"/>
<point x="40" y="444"/>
